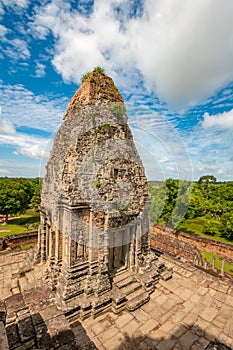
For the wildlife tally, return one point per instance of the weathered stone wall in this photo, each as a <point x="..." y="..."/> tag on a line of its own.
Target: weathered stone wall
<point x="15" y="241"/>
<point x="173" y="246"/>
<point x="176" y="242"/>
<point x="95" y="202"/>
<point x="3" y="337"/>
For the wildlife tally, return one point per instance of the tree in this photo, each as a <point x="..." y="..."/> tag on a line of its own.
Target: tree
<point x="227" y="226"/>
<point x="209" y="228"/>
<point x="14" y="196"/>
<point x="205" y="183"/>
<point x="35" y="199"/>
<point x="197" y="204"/>
<point x="207" y="179"/>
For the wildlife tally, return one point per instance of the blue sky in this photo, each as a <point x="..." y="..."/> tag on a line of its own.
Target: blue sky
<point x="172" y="60"/>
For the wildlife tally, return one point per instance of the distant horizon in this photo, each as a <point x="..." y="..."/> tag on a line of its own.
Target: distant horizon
<point x="31" y="178"/>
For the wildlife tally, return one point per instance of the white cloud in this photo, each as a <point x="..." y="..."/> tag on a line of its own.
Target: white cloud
<point x="164" y="160"/>
<point x="183" y="48"/>
<point x="30" y="146"/>
<point x="40" y="70"/>
<point x="22" y="108"/>
<point x="221" y="121"/>
<point x="3" y="30"/>
<point x="4" y="172"/>
<point x="153" y="133"/>
<point x="14" y="3"/>
<point x="17" y="49"/>
<point x="6" y="127"/>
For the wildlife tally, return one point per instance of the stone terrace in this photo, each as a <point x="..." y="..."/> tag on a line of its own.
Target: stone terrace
<point x="186" y="312"/>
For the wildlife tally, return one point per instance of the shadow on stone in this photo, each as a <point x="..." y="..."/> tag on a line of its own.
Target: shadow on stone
<point x="190" y="338"/>
<point x="32" y="332"/>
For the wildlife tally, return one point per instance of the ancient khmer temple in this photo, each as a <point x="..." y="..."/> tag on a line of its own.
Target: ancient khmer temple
<point x="95" y="208"/>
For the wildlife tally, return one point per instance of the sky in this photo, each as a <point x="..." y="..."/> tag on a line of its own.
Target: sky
<point x="172" y="61"/>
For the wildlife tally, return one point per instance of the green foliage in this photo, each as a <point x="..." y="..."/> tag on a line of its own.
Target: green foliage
<point x="205" y="182"/>
<point x="27" y="222"/>
<point x="228" y="267"/>
<point x="98" y="183"/>
<point x="169" y="201"/>
<point x="208" y="208"/>
<point x="209" y="229"/>
<point x="120" y="206"/>
<point x="88" y="74"/>
<point x="118" y="109"/>
<point x="207" y="179"/>
<point x="85" y="76"/>
<point x="15" y="196"/>
<point x="227" y="226"/>
<point x="99" y="70"/>
<point x="102" y="128"/>
<point x="35" y="199"/>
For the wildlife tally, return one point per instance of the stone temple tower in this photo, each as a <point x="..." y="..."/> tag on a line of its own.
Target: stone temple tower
<point x="95" y="206"/>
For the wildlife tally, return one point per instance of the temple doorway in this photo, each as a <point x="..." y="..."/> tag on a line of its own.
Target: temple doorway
<point x="118" y="251"/>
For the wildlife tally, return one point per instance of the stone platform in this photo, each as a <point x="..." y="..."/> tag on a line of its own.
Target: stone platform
<point x="191" y="311"/>
<point x="188" y="312"/>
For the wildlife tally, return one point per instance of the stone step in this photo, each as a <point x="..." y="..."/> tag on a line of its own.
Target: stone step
<point x="126" y="281"/>
<point x="78" y="267"/>
<point x="166" y="274"/>
<point x="121" y="276"/>
<point x="137" y="299"/>
<point x="135" y="294"/>
<point x="132" y="287"/>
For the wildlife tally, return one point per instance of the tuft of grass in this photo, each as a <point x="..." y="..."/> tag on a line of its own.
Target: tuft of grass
<point x="99" y="70"/>
<point x="118" y="109"/>
<point x="88" y="74"/>
<point x="102" y="128"/>
<point x="97" y="183"/>
<point x="85" y="76"/>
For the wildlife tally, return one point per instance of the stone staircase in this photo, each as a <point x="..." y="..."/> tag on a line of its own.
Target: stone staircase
<point x="128" y="291"/>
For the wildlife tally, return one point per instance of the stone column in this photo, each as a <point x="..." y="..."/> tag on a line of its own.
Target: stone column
<point x="132" y="248"/>
<point x="106" y="240"/>
<point x="223" y="267"/>
<point x="57" y="246"/>
<point x="90" y="241"/>
<point x="50" y="245"/>
<point x="138" y="245"/>
<point x="43" y="243"/>
<point x="80" y="245"/>
<point x="47" y="241"/>
<point x="66" y="251"/>
<point x="205" y="264"/>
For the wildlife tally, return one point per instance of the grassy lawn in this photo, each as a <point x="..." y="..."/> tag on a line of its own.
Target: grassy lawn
<point x="27" y="222"/>
<point x="26" y="246"/>
<point x="228" y="267"/>
<point x="195" y="226"/>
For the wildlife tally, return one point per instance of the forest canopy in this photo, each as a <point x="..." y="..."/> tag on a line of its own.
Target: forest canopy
<point x="205" y="206"/>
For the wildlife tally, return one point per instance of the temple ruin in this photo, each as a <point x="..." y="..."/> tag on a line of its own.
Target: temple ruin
<point x="94" y="256"/>
<point x="95" y="208"/>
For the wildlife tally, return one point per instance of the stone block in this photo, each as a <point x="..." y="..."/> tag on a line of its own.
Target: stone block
<point x="15" y="302"/>
<point x="25" y="329"/>
<point x="3" y="337"/>
<point x="12" y="335"/>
